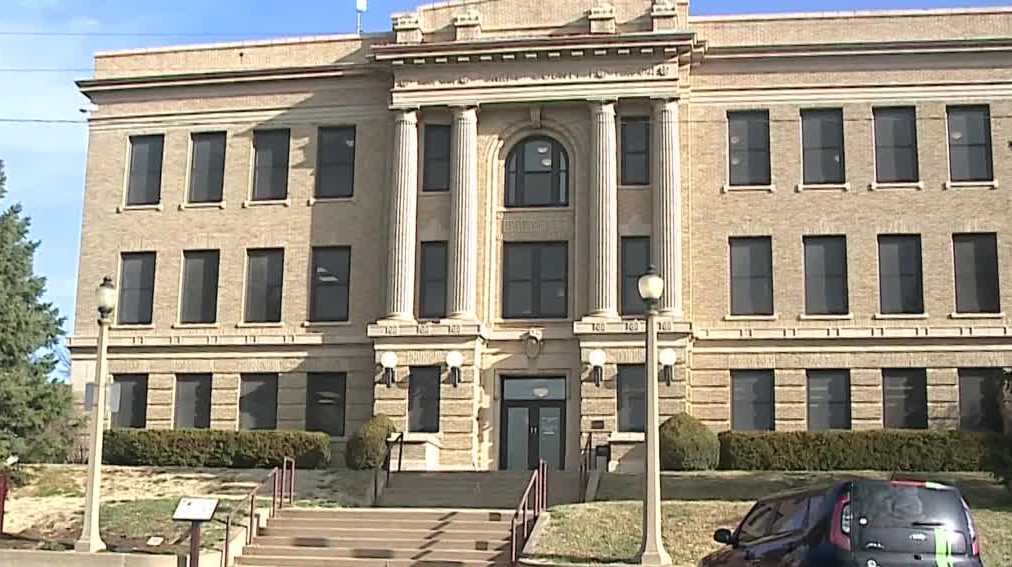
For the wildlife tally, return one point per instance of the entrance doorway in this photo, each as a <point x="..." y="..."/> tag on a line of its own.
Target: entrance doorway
<point x="533" y="423"/>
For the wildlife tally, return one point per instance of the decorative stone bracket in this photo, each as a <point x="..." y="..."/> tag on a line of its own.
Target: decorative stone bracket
<point x="664" y="15"/>
<point x="602" y="19"/>
<point x="407" y="28"/>
<point x="467" y="26"/>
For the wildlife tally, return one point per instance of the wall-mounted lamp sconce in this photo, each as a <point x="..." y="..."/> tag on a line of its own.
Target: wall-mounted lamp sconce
<point x="454" y="360"/>
<point x="597" y="358"/>
<point x="668" y="357"/>
<point x="389" y="363"/>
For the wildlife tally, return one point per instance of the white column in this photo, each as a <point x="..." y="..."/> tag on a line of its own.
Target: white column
<point x="666" y="242"/>
<point x="403" y="209"/>
<point x="463" y="249"/>
<point x="603" y="263"/>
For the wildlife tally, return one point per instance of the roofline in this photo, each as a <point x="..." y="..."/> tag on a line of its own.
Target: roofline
<point x="243" y="43"/>
<point x="851" y="14"/>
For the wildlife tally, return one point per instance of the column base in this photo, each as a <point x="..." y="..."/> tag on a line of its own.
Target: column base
<point x="657" y="558"/>
<point x="395" y="320"/>
<point x="601" y="317"/>
<point x="89" y="545"/>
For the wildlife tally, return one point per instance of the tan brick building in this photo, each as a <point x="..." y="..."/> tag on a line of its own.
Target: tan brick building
<point x="826" y="196"/>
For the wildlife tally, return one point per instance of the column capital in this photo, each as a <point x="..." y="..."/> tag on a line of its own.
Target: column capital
<point x="661" y="101"/>
<point x="406" y="114"/>
<point x="602" y="104"/>
<point x="459" y="110"/>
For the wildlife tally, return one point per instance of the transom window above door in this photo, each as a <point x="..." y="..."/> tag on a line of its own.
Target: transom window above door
<point x="537" y="174"/>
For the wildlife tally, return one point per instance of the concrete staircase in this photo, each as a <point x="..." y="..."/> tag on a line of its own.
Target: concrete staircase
<point x="500" y="490"/>
<point x="372" y="537"/>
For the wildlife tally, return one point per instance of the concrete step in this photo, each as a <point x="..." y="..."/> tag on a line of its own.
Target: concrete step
<point x="379" y="551"/>
<point x="396" y="515"/>
<point x="382" y="543"/>
<point x="403" y="524"/>
<point x="274" y="561"/>
<point x="421" y="536"/>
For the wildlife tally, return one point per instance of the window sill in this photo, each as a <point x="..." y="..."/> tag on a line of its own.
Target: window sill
<point x="747" y="188"/>
<point x="433" y="192"/>
<point x="901" y="316"/>
<point x="993" y="184"/>
<point x="532" y="320"/>
<point x="311" y="324"/>
<point x="826" y="317"/>
<point x="196" y="326"/>
<point x="271" y="203"/>
<point x="545" y="209"/>
<point x="128" y="208"/>
<point x="314" y="200"/>
<point x="822" y="187"/>
<point x="977" y="315"/>
<point x="272" y="325"/>
<point x="208" y="205"/>
<point x="627" y="437"/>
<point x="132" y="327"/>
<point x="751" y="317"/>
<point x="900" y="186"/>
<point x="634" y="186"/>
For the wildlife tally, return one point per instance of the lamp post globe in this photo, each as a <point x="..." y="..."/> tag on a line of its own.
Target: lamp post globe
<point x="105" y="297"/>
<point x="651" y="285"/>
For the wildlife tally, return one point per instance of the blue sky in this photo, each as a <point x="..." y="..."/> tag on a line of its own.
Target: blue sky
<point x="45" y="163"/>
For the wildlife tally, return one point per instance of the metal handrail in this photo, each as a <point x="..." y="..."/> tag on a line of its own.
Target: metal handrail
<point x="537" y="487"/>
<point x="280" y="478"/>
<point x="588" y="463"/>
<point x="385" y="464"/>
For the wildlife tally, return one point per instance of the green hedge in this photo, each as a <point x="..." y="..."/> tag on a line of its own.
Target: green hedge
<point x="893" y="450"/>
<point x="367" y="448"/>
<point x="214" y="448"/>
<point x="686" y="444"/>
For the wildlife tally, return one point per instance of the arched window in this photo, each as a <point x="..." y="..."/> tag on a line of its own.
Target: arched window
<point x="537" y="174"/>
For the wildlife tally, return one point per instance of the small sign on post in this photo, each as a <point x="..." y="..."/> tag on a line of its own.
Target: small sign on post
<point x="196" y="511"/>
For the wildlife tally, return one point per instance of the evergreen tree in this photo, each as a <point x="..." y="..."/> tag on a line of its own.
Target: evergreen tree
<point x="36" y="414"/>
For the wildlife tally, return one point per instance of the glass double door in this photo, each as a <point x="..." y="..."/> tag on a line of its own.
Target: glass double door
<point x="533" y="423"/>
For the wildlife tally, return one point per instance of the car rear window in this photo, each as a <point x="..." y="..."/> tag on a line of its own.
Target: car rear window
<point x="909" y="517"/>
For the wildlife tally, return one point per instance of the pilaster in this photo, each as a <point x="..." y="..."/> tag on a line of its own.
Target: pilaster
<point x="463" y="252"/>
<point x="603" y="264"/>
<point x="403" y="213"/>
<point x="666" y="240"/>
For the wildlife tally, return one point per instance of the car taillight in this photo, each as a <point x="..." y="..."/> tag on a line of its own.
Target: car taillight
<point x="839" y="532"/>
<point x="974" y="544"/>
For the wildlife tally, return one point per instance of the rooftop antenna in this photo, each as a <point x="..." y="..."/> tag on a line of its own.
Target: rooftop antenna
<point x="360" y="7"/>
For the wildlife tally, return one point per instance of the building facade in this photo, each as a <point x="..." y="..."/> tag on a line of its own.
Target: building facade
<point x="445" y="224"/>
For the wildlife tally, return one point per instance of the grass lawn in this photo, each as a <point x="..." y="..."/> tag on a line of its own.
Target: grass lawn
<point x="696" y="504"/>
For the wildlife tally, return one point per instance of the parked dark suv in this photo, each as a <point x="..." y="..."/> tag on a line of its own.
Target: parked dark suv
<point x="862" y="523"/>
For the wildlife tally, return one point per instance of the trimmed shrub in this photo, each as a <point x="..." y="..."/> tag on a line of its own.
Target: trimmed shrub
<point x="688" y="445"/>
<point x="214" y="448"/>
<point x="368" y="446"/>
<point x="890" y="450"/>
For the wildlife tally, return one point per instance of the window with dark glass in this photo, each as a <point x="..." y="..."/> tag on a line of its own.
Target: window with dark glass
<point x="436" y="167"/>
<point x="976" y="260"/>
<point x="822" y="145"/>
<point x="905" y="398"/>
<point x="896" y="145"/>
<point x="270" y="173"/>
<point x="144" y="183"/>
<point x="537" y="174"/>
<point x="752" y="400"/>
<point x="132" y="411"/>
<point x="331" y="284"/>
<point x="423" y="399"/>
<point x="900" y="279"/>
<point x="264" y="283"/>
<point x="758" y="522"/>
<point x="826" y="275"/>
<point x="207" y="167"/>
<point x="325" y="402"/>
<point x="749" y="147"/>
<point x="751" y="276"/>
<point x="635" y="263"/>
<point x="335" y="162"/>
<point x="632" y="398"/>
<point x="970" y="143"/>
<point x="980" y="398"/>
<point x="200" y="287"/>
<point x="432" y="281"/>
<point x="258" y="401"/>
<point x="636" y="150"/>
<point x="136" y="288"/>
<point x="535" y="280"/>
<point x="193" y="401"/>
<point x="828" y="399"/>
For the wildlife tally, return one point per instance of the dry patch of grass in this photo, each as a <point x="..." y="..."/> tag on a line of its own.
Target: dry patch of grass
<point x="698" y="503"/>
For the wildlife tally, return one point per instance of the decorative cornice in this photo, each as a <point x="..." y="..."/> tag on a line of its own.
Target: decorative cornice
<point x="932" y="47"/>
